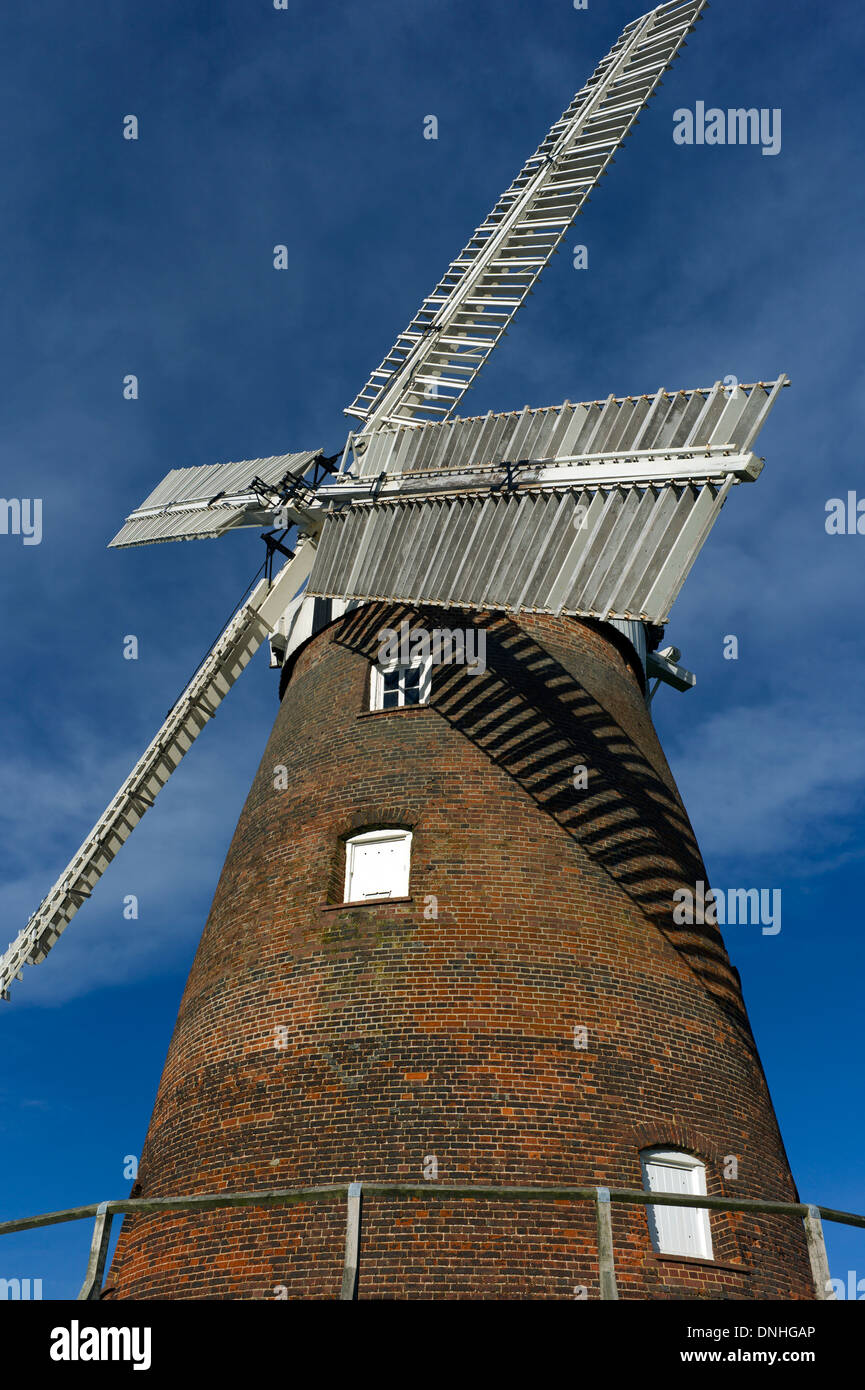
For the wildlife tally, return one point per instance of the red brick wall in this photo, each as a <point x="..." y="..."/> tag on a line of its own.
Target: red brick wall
<point x="409" y="1036"/>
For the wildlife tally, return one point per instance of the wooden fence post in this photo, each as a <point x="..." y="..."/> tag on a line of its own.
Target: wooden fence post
<point x="606" y="1261"/>
<point x="817" y="1254"/>
<point x="352" y="1243"/>
<point x="92" y="1286"/>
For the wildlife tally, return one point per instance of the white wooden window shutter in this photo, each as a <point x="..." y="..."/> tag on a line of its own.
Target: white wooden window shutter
<point x="677" y="1230"/>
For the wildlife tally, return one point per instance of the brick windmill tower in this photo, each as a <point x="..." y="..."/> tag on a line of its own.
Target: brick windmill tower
<point x="443" y="946"/>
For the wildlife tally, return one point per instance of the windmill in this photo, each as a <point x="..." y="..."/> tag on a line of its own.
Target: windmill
<point x="607" y="503"/>
<point x="592" y="512"/>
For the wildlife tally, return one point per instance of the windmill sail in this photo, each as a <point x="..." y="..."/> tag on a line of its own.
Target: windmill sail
<point x="435" y="360"/>
<point x="221" y="667"/>
<point x="672" y="425"/>
<point x="603" y="517"/>
<point x="204" y="502"/>
<point x="605" y="553"/>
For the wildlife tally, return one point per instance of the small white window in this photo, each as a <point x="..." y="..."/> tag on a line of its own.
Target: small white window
<point x="677" y="1230"/>
<point x="377" y="865"/>
<point x="392" y="686"/>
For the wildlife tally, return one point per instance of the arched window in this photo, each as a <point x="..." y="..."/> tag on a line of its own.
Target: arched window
<point x="377" y="865"/>
<point x="677" y="1230"/>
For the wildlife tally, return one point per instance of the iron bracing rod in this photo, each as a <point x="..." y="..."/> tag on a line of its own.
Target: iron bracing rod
<point x="228" y="657"/>
<point x="294" y="486"/>
<point x="435" y="360"/>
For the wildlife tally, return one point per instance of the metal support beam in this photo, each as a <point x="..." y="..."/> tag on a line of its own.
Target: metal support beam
<point x="666" y="668"/>
<point x="352" y="1243"/>
<point x="606" y="1261"/>
<point x="817" y="1255"/>
<point x="92" y="1286"/>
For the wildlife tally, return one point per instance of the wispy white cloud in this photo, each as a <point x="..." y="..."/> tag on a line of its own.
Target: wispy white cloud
<point x="782" y="781"/>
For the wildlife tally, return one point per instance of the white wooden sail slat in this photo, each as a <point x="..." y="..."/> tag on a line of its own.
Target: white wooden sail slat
<point x="399" y="547"/>
<point x="489" y="524"/>
<point x="656" y="506"/>
<point x="545" y="547"/>
<point x="681" y="556"/>
<point x="378" y="450"/>
<point x="648" y="423"/>
<point x="672" y="508"/>
<point x="596" y="539"/>
<point x="481" y="449"/>
<point x="412" y="444"/>
<point x="440" y="383"/>
<point x="709" y="416"/>
<point x="641" y="68"/>
<point x="204" y="481"/>
<point x="455" y="514"/>
<point x="491" y="579"/>
<point x="636" y="515"/>
<point x="497" y="525"/>
<point x="673" y="418"/>
<point x="607" y="416"/>
<point x="439" y="362"/>
<point x="368" y="548"/>
<point x="424" y="445"/>
<point x="654" y="427"/>
<point x="588" y="426"/>
<point x="576" y="417"/>
<point x="463" y="434"/>
<point x="478" y="522"/>
<point x="692" y="414"/>
<point x="604" y="577"/>
<point x="688" y="420"/>
<point x="541" y="425"/>
<point x="178" y="526"/>
<point x="426" y="520"/>
<point x="177" y="485"/>
<point x="381" y="452"/>
<point x="626" y="421"/>
<point x="528" y="541"/>
<point x="564" y="439"/>
<point x="502" y="430"/>
<point x="754" y="413"/>
<point x="433" y="569"/>
<point x="560" y="418"/>
<point x="567" y="549"/>
<point x="515" y="449"/>
<point x="656" y="46"/>
<point x="730" y="415"/>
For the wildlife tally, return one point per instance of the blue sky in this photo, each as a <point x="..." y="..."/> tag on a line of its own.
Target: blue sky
<point x="304" y="127"/>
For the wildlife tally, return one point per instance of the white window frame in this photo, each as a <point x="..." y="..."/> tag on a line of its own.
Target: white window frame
<point x="376" y="684"/>
<point x="687" y="1232"/>
<point x="399" y="888"/>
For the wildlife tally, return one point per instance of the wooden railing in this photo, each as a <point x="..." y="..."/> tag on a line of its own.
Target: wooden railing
<point x="602" y="1198"/>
